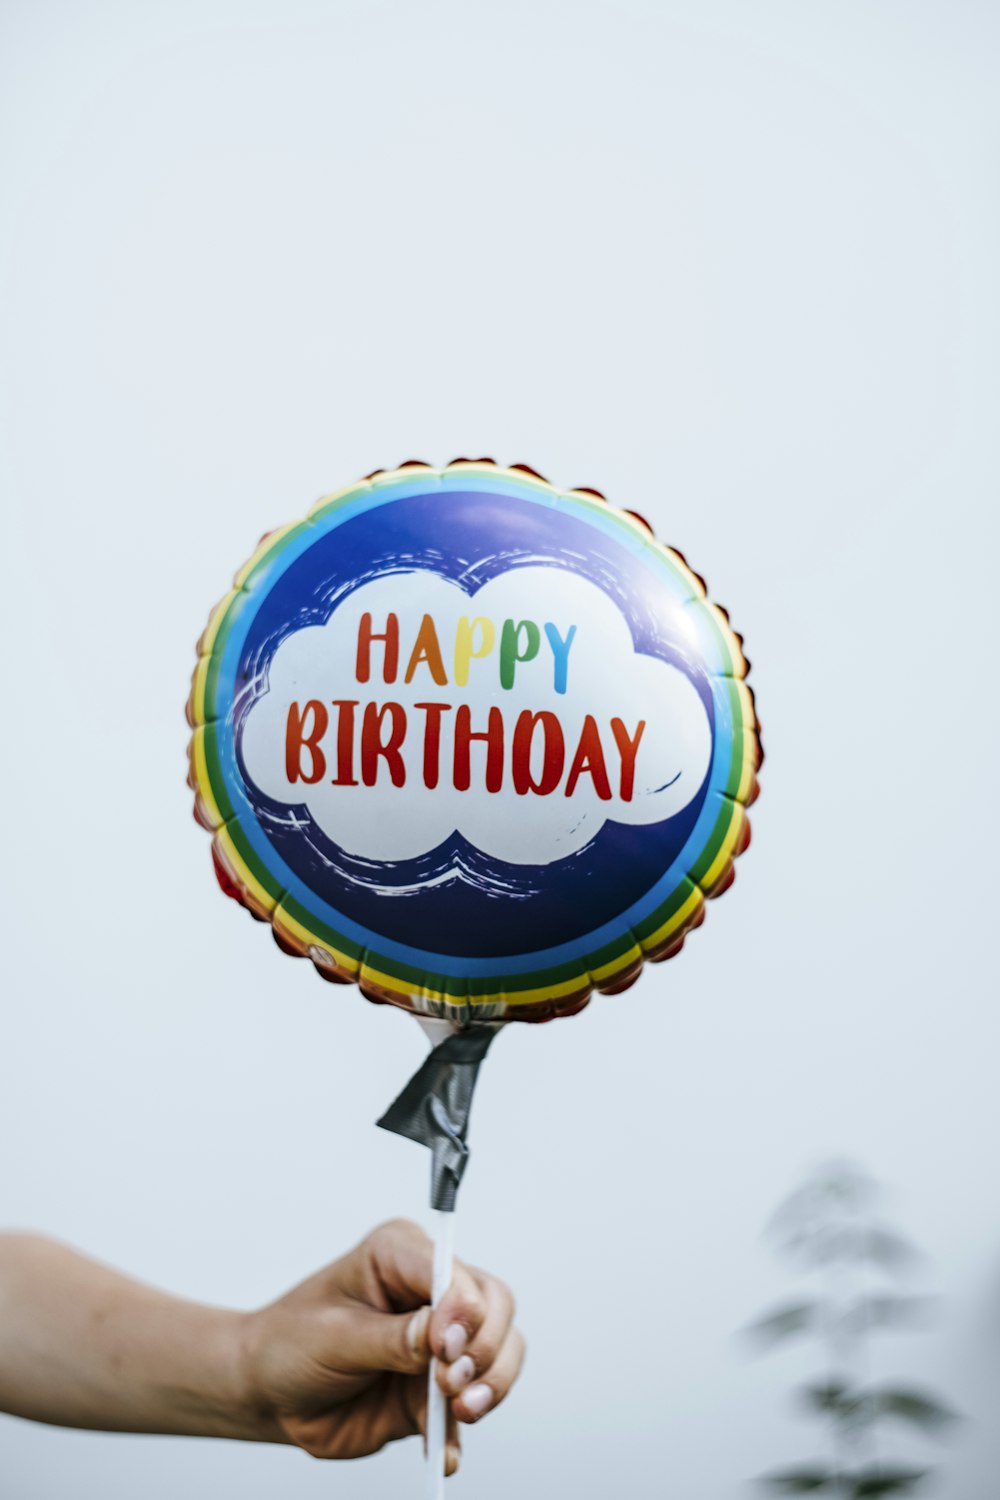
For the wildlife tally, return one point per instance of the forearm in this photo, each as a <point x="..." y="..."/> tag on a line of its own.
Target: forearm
<point x="83" y="1346"/>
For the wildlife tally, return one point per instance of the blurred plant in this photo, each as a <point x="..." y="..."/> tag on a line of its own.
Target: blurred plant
<point x="830" y="1228"/>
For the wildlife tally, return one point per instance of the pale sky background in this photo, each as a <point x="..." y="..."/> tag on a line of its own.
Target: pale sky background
<point x="734" y="264"/>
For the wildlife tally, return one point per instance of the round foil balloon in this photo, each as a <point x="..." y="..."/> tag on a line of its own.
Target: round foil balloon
<point x="478" y="744"/>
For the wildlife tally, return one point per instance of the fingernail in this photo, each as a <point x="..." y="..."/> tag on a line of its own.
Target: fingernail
<point x="460" y="1373"/>
<point x="416" y="1331"/>
<point x="477" y="1399"/>
<point x="452" y="1458"/>
<point x="454" y="1341"/>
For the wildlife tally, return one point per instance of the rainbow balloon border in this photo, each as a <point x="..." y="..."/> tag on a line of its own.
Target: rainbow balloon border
<point x="425" y="985"/>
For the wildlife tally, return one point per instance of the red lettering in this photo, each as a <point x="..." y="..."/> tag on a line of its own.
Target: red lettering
<point x="345" y="742"/>
<point x="298" y="738"/>
<point x="374" y="747"/>
<point x="628" y="749"/>
<point x="432" y="740"/>
<point x="493" y="736"/>
<point x="589" y="757"/>
<point x="390" y="636"/>
<point x="553" y="753"/>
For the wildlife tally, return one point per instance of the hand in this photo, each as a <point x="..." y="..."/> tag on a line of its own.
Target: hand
<point x="338" y="1366"/>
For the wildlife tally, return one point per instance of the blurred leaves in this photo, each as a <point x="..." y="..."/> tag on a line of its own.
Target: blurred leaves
<point x="830" y="1219"/>
<point x="830" y="1396"/>
<point x="891" y="1311"/>
<point x="831" y="1191"/>
<point x="800" y="1481"/>
<point x="885" y="1482"/>
<point x="783" y="1322"/>
<point x="829" y="1226"/>
<point x="886" y="1248"/>
<point x="858" y="1316"/>
<point x="821" y="1244"/>
<point x="836" y="1398"/>
<point x="922" y="1410"/>
<point x="868" y="1483"/>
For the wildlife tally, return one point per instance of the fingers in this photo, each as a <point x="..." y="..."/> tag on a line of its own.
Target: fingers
<point x="471" y="1332"/>
<point x="489" y="1388"/>
<point x="393" y="1267"/>
<point x="392" y="1270"/>
<point x="489" y="1360"/>
<point x="453" y="1445"/>
<point x="459" y="1317"/>
<point x="379" y="1414"/>
<point x="470" y="1344"/>
<point x="415" y="1404"/>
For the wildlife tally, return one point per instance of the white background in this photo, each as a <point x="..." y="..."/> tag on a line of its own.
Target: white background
<point x="734" y="264"/>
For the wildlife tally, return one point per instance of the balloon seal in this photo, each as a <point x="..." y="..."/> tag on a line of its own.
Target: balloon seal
<point x="433" y="1109"/>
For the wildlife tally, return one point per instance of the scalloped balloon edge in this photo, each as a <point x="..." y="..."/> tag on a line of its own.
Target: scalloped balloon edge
<point x="570" y="996"/>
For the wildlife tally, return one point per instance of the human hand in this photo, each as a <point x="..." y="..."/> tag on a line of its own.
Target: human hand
<point x="338" y="1365"/>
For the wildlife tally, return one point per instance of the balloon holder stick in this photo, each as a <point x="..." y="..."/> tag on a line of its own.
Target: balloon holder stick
<point x="433" y="1110"/>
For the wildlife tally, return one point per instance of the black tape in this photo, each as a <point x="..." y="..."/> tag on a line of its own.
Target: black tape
<point x="433" y="1109"/>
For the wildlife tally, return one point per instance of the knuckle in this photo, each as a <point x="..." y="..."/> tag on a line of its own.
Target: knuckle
<point x="484" y="1350"/>
<point x="396" y="1355"/>
<point x="507" y="1299"/>
<point x="400" y="1225"/>
<point x="501" y="1358"/>
<point x="470" y="1309"/>
<point x="469" y="1303"/>
<point x="498" y="1292"/>
<point x="394" y="1230"/>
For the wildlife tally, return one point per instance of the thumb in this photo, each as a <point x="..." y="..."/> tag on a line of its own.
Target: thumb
<point x="373" y="1341"/>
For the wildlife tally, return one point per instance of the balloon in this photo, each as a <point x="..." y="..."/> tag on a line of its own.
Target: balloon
<point x="477" y="744"/>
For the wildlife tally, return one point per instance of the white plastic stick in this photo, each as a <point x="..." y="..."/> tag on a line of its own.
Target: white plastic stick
<point x="437" y="1402"/>
<point x="443" y="1228"/>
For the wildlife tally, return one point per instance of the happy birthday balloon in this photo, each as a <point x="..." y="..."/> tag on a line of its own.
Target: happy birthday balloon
<point x="480" y="745"/>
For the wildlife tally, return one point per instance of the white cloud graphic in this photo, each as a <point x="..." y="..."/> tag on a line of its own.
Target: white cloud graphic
<point x="607" y="683"/>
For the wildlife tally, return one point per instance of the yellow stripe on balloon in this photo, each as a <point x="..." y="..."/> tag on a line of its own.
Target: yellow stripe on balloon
<point x="233" y="862"/>
<point x="717" y="868"/>
<point x="293" y="930"/>
<point x="617" y="966"/>
<point x="681" y="918"/>
<point x="207" y="642"/>
<point x="203" y="782"/>
<point x="199" y="683"/>
<point x="391" y="984"/>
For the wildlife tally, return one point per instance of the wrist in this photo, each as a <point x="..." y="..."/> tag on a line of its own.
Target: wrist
<point x="250" y="1412"/>
<point x="224" y="1398"/>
